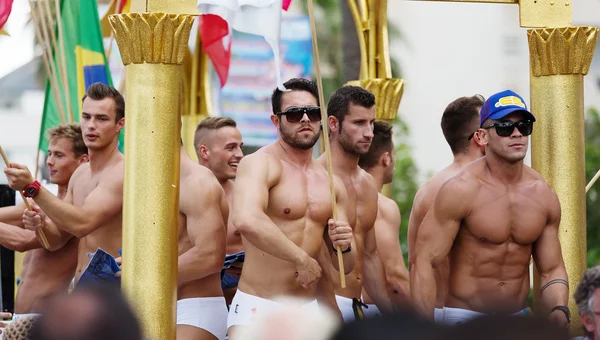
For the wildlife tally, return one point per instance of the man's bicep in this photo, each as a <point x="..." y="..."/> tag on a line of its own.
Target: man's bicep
<point x="547" y="250"/>
<point x="251" y="186"/>
<point x="387" y="233"/>
<point x="203" y="225"/>
<point x="441" y="223"/>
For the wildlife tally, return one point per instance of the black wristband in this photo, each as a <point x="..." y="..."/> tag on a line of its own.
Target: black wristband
<point x="565" y="310"/>
<point x="343" y="251"/>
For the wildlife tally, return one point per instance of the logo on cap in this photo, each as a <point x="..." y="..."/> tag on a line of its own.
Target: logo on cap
<point x="510" y="100"/>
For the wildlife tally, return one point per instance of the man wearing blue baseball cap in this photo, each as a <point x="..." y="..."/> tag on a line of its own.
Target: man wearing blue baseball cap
<point x="489" y="220"/>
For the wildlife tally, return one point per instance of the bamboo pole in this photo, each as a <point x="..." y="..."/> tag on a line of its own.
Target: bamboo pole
<point x="61" y="39"/>
<point x="325" y="133"/>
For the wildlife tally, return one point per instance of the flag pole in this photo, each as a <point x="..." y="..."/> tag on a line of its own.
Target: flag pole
<point x="325" y="133"/>
<point x="61" y="40"/>
<point x="47" y="57"/>
<point x="42" y="235"/>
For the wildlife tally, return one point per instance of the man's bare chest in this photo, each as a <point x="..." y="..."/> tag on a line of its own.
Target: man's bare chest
<point x="512" y="217"/>
<point x="299" y="194"/>
<point x="84" y="186"/>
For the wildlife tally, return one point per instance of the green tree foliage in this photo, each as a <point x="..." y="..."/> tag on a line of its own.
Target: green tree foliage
<point x="592" y="164"/>
<point x="405" y="185"/>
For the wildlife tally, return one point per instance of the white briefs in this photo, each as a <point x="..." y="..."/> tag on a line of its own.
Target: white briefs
<point x="245" y="307"/>
<point x="208" y="313"/>
<point x="453" y="316"/>
<point x="346" y="308"/>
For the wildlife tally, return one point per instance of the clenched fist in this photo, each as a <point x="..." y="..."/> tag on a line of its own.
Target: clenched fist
<point x="340" y="234"/>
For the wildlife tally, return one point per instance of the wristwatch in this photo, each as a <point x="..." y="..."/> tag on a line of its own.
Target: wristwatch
<point x="32" y="189"/>
<point x="565" y="310"/>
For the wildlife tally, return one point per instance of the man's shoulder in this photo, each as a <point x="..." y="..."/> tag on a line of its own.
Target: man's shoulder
<point x="388" y="207"/>
<point x="367" y="182"/>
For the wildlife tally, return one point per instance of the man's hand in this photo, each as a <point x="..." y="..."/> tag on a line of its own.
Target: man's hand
<point x="34" y="219"/>
<point x="3" y="316"/>
<point x="308" y="272"/>
<point x="18" y="176"/>
<point x="559" y="317"/>
<point x="119" y="260"/>
<point x="340" y="234"/>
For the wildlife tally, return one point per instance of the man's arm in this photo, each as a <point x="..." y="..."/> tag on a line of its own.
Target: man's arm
<point x="374" y="282"/>
<point x="206" y="230"/>
<point x="325" y="288"/>
<point x="256" y="175"/>
<point x="419" y="209"/>
<point x="435" y="239"/>
<point x="101" y="205"/>
<point x="13" y="215"/>
<point x="36" y="220"/>
<point x="548" y="259"/>
<point x="18" y="239"/>
<point x="387" y="235"/>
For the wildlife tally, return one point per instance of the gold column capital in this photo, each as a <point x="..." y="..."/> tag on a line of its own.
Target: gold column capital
<point x="151" y="38"/>
<point x="564" y="50"/>
<point x="388" y="93"/>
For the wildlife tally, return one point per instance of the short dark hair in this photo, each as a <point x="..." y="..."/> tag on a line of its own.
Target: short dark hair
<point x="71" y="132"/>
<point x="460" y="120"/>
<point x="381" y="142"/>
<point x="294" y="84"/>
<point x="211" y="124"/>
<point x="99" y="91"/>
<point x="340" y="100"/>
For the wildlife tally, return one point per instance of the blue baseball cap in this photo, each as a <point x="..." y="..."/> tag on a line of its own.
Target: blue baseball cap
<point x="502" y="104"/>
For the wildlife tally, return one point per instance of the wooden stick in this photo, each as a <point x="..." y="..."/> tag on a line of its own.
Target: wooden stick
<point x="325" y="133"/>
<point x="42" y="235"/>
<point x="63" y="70"/>
<point x="47" y="63"/>
<point x="589" y="186"/>
<point x="49" y="28"/>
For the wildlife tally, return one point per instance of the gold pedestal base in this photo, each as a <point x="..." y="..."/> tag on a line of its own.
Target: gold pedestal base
<point x="151" y="195"/>
<point x="558" y="154"/>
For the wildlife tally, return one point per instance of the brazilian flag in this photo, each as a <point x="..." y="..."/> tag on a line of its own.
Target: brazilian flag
<point x="85" y="63"/>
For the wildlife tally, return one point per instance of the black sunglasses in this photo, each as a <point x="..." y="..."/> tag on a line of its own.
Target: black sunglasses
<point x="505" y="129"/>
<point x="295" y="114"/>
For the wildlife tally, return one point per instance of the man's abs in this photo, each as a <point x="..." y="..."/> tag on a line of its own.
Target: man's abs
<point x="209" y="286"/>
<point x="47" y="273"/>
<point x="268" y="277"/>
<point x="489" y="281"/>
<point x="109" y="238"/>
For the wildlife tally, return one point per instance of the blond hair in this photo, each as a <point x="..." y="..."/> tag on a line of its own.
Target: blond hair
<point x="71" y="132"/>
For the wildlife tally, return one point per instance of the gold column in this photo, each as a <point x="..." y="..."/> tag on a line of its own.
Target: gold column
<point x="559" y="58"/>
<point x="152" y="47"/>
<point x="370" y="18"/>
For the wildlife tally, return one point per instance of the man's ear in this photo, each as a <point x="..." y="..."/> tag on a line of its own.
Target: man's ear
<point x="385" y="159"/>
<point x="204" y="152"/>
<point x="334" y="124"/>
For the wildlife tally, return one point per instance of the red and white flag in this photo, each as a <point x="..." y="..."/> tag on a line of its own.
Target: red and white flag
<point x="286" y="4"/>
<point x="259" y="17"/>
<point x="5" y="9"/>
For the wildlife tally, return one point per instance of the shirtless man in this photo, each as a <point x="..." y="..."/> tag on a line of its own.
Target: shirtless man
<point x="91" y="209"/>
<point x="460" y="122"/>
<point x="490" y="219"/>
<point x="379" y="162"/>
<point x="203" y="212"/>
<point x="44" y="272"/>
<point x="351" y="111"/>
<point x="218" y="144"/>
<point x="282" y="207"/>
